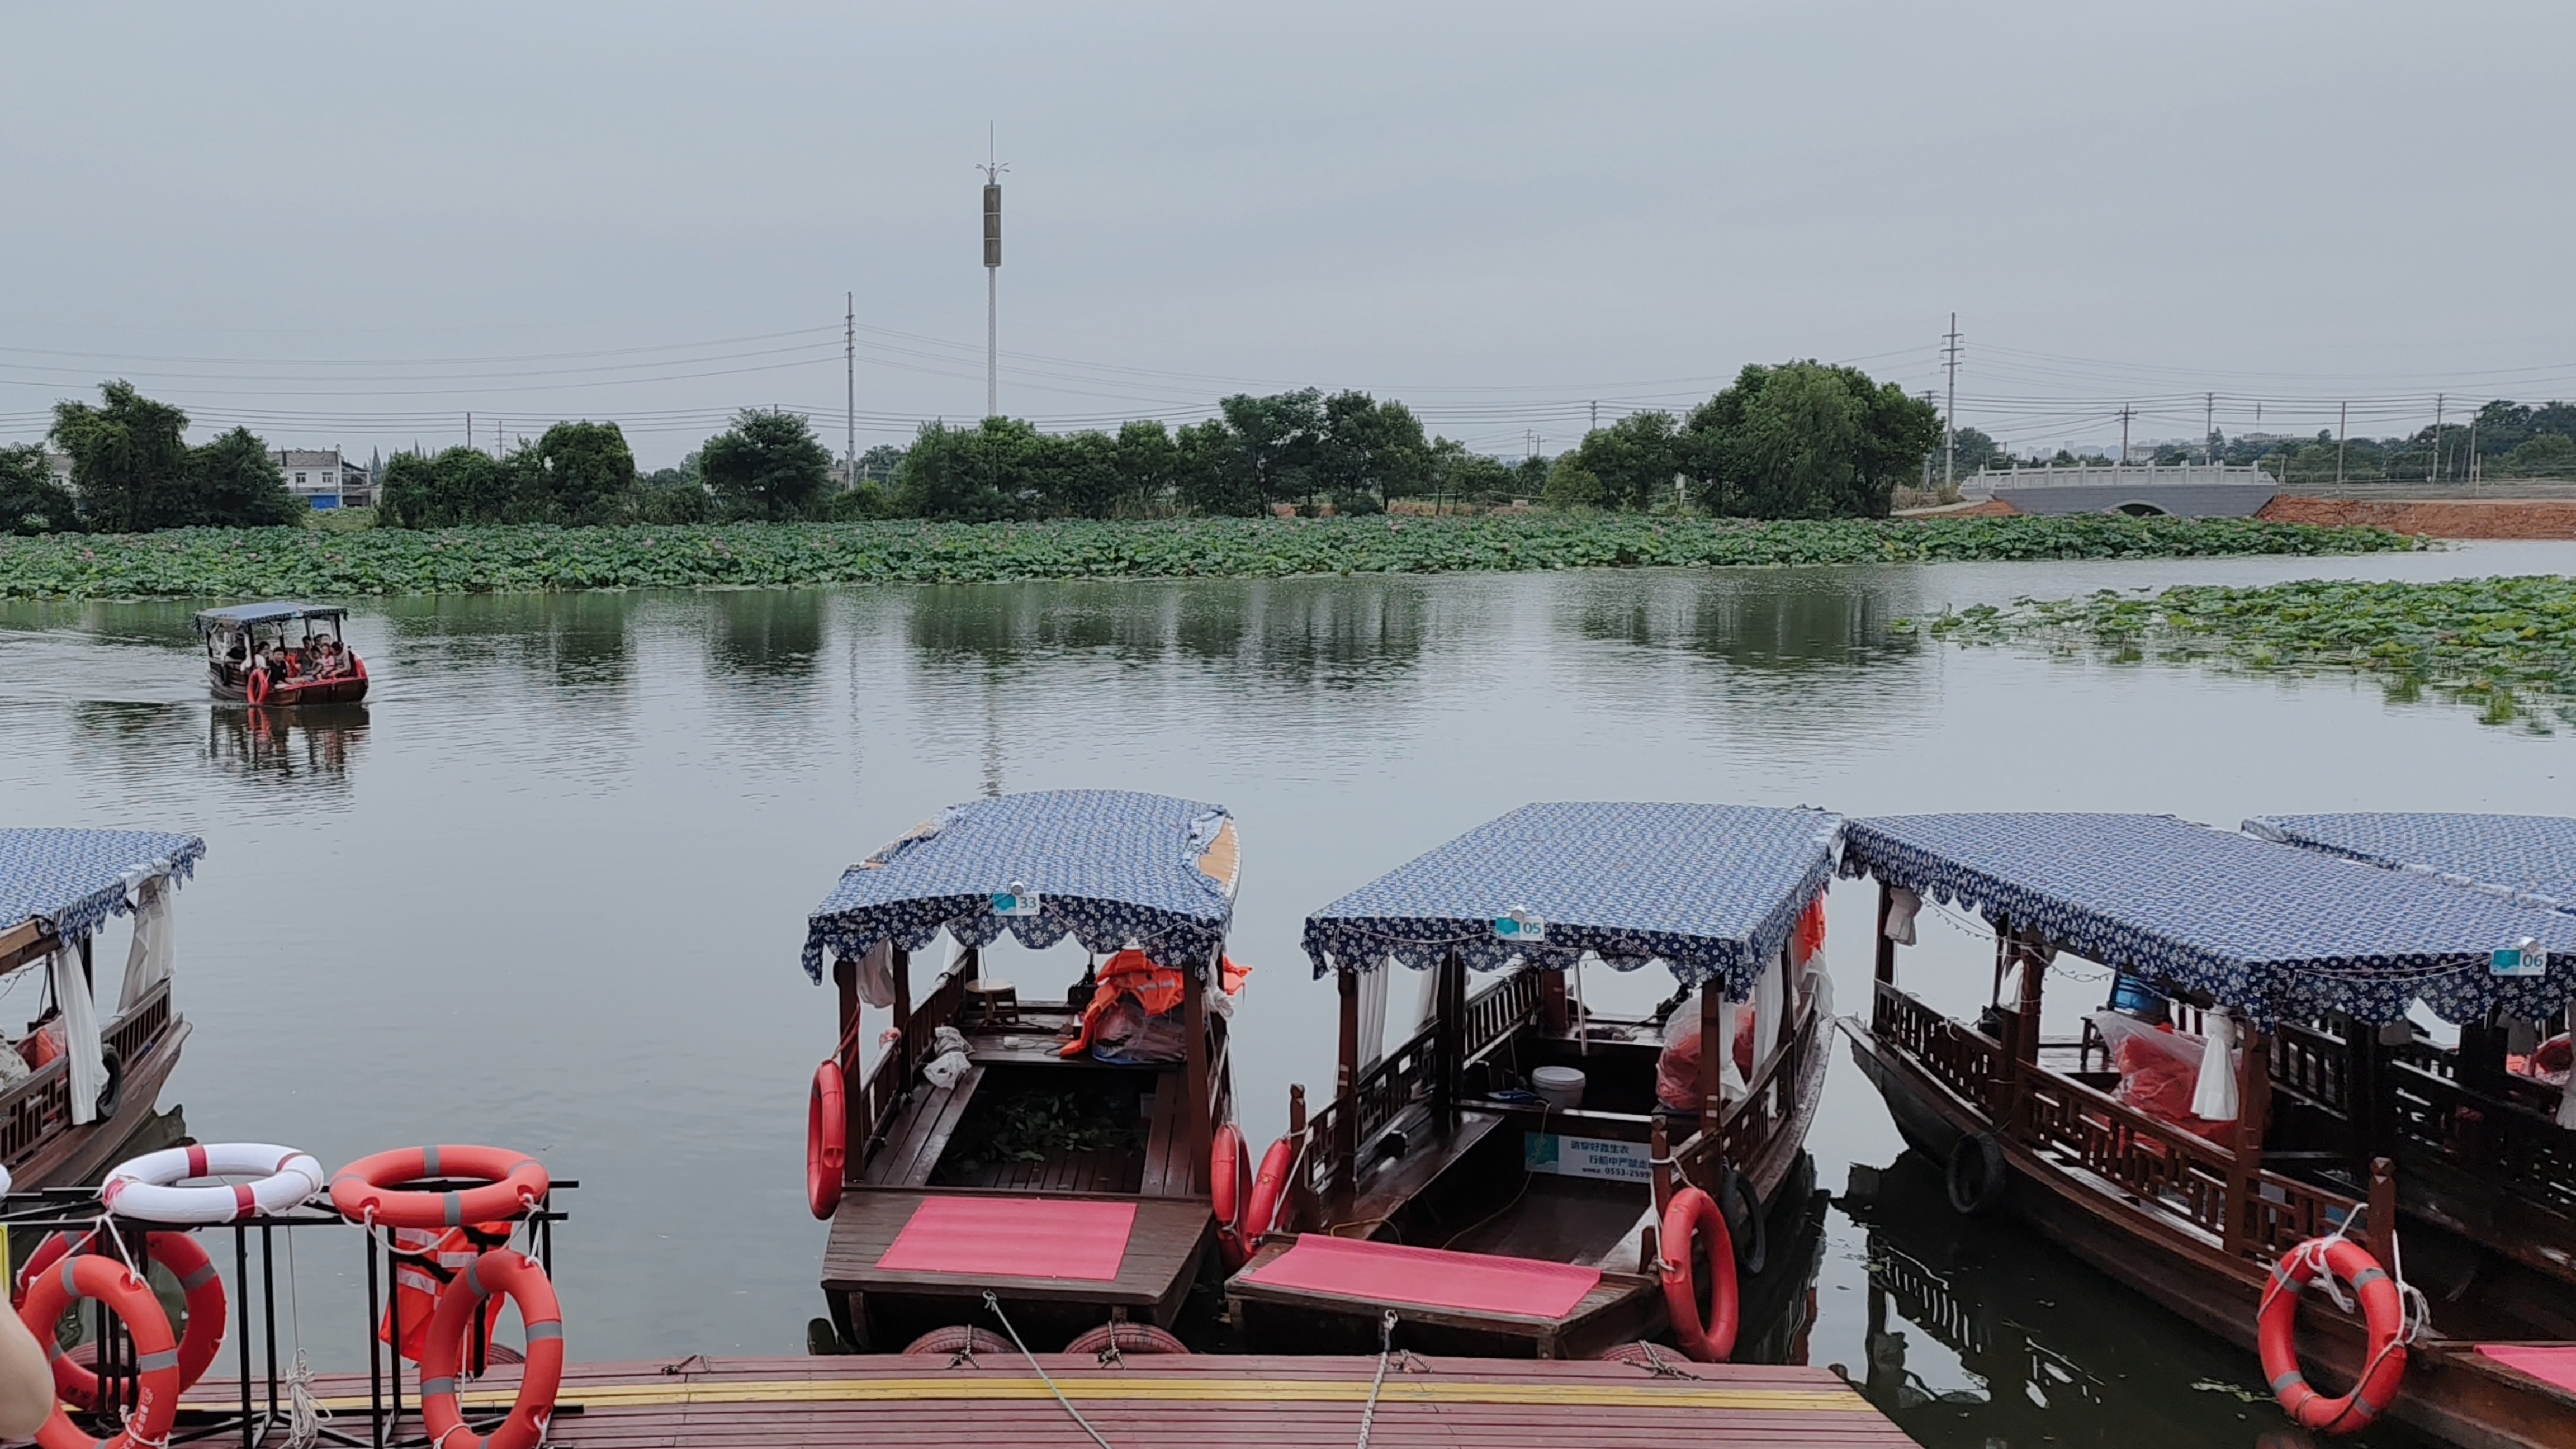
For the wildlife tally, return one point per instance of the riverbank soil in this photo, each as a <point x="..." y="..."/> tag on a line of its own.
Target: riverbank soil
<point x="2435" y="518"/>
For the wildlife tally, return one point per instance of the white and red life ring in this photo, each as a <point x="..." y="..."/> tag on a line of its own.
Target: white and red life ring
<point x="148" y="1187"/>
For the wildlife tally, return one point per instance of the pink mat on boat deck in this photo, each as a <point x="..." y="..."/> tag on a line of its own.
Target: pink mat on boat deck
<point x="2555" y="1363"/>
<point x="1013" y="1237"/>
<point x="1433" y="1277"/>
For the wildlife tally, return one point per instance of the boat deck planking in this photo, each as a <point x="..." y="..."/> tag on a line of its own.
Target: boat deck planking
<point x="1178" y="1401"/>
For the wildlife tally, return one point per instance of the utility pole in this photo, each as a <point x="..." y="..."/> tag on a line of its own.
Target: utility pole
<point x="992" y="169"/>
<point x="850" y="375"/>
<point x="2433" y="465"/>
<point x="1596" y="415"/>
<point x="2209" y="427"/>
<point x="1950" y="415"/>
<point x="2126" y="412"/>
<point x="2473" y="452"/>
<point x="2343" y="422"/>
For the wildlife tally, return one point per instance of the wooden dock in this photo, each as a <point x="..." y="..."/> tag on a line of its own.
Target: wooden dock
<point x="1179" y="1401"/>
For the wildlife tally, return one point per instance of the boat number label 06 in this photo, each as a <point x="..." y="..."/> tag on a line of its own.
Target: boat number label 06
<point x="1599" y="1157"/>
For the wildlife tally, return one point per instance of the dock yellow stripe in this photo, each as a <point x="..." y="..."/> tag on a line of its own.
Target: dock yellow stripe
<point x="1164" y="1390"/>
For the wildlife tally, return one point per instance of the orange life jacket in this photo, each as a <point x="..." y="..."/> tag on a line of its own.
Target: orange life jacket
<point x="1157" y="988"/>
<point x="428" y="1261"/>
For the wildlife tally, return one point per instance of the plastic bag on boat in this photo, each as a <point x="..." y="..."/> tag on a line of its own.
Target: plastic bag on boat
<point x="1129" y="1035"/>
<point x="1677" y="1068"/>
<point x="2159" y="1070"/>
<point x="2548" y="1062"/>
<point x="948" y="1061"/>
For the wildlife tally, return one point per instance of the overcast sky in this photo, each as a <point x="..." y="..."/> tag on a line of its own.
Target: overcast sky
<point x="354" y="224"/>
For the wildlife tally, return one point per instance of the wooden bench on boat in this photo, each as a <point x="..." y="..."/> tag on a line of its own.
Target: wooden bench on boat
<point x="1141" y="1206"/>
<point x="2272" y="933"/>
<point x="1438" y="1144"/>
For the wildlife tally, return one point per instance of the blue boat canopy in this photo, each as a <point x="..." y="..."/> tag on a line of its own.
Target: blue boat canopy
<point x="1712" y="891"/>
<point x="2529" y="859"/>
<point x="71" y="880"/>
<point x="1112" y="867"/>
<point x="274" y="611"/>
<point x="2269" y="929"/>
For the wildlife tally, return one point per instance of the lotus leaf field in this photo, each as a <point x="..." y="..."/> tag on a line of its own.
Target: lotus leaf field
<point x="2504" y="645"/>
<point x="223" y="564"/>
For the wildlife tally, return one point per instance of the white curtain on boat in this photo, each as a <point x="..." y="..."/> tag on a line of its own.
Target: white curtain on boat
<point x="81" y="1051"/>
<point x="876" y="976"/>
<point x="1373" y="1012"/>
<point x="147" y="961"/>
<point x="2213" y="1097"/>
<point x="2567" y="1093"/>
<point x="1770" y="996"/>
<point x="1731" y="1082"/>
<point x="1902" y="907"/>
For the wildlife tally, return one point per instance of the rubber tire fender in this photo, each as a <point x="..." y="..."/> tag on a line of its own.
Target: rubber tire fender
<point x="1746" y="1222"/>
<point x="1129" y="1337"/>
<point x="1975" y="1175"/>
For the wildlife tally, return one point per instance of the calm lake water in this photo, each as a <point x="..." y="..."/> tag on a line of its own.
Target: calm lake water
<point x="548" y="887"/>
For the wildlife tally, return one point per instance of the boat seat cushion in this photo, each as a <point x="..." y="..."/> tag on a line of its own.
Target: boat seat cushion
<point x="1013" y="1237"/>
<point x="1430" y="1277"/>
<point x="2549" y="1363"/>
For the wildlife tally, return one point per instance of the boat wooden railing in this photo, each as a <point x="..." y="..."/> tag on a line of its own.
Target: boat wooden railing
<point x="1960" y="1057"/>
<point x="41" y="1106"/>
<point x="881" y="1093"/>
<point x="2497" y="1139"/>
<point x="1403" y="1077"/>
<point x="2314" y="1063"/>
<point x="1751" y="1121"/>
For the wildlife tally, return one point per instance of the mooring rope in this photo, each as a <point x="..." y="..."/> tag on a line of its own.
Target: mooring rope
<point x="995" y="1303"/>
<point x="1385" y="1353"/>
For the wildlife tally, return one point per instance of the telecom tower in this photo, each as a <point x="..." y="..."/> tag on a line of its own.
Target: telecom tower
<point x="992" y="169"/>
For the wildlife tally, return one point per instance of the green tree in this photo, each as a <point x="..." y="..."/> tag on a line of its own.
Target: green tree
<point x="1367" y="453"/>
<point x="459" y="486"/>
<point x="2543" y="455"/>
<point x="767" y="465"/>
<point x="973" y="474"/>
<point x="1571" y="485"/>
<point x="1214" y="472"/>
<point x="1149" y="467"/>
<point x="577" y="473"/>
<point x="235" y="482"/>
<point x="1634" y="460"/>
<point x="1278" y="435"/>
<point x="30" y="500"/>
<point x="129" y="459"/>
<point x="1803" y="440"/>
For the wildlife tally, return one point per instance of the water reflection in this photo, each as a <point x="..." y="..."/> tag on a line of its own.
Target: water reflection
<point x="1779" y="1303"/>
<point x="576" y="640"/>
<point x="774" y="634"/>
<point x="1981" y="1335"/>
<point x="314" y="744"/>
<point x="1757" y="621"/>
<point x="1338" y="633"/>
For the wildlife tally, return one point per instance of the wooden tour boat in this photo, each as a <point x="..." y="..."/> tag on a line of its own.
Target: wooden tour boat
<point x="1437" y="1187"/>
<point x="79" y="1087"/>
<point x="1054" y="1153"/>
<point x="314" y="664"/>
<point x="2483" y="1131"/>
<point x="2199" y="1201"/>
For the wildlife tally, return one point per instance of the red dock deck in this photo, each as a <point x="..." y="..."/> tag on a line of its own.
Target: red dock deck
<point x="1183" y="1402"/>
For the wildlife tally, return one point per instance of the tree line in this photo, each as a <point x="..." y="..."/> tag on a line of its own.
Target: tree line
<point x="2502" y="439"/>
<point x="133" y="471"/>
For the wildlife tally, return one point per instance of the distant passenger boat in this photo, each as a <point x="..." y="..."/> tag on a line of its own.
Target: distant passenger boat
<point x="84" y="1078"/>
<point x="280" y="653"/>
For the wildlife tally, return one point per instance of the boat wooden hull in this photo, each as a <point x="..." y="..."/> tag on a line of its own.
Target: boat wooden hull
<point x="347" y="689"/>
<point x="2450" y="1390"/>
<point x="81" y="1155"/>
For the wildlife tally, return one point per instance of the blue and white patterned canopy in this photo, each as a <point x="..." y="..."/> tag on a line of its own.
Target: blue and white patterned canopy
<point x="1712" y="891"/>
<point x="1113" y="867"/>
<point x="2270" y="929"/>
<point x="73" y="879"/>
<point x="2526" y="858"/>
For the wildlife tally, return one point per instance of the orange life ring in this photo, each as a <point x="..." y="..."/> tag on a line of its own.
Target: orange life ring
<point x="1229" y="1188"/>
<point x="199" y="1341"/>
<point x="517" y="1277"/>
<point x="1269" y="1192"/>
<point x="1693" y="1215"/>
<point x="367" y="1190"/>
<point x="156" y="1351"/>
<point x="2276" y="1324"/>
<point x="255" y="689"/>
<point x="827" y="1139"/>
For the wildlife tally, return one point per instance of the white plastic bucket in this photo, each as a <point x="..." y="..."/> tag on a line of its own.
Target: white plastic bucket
<point x="1558" y="1086"/>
